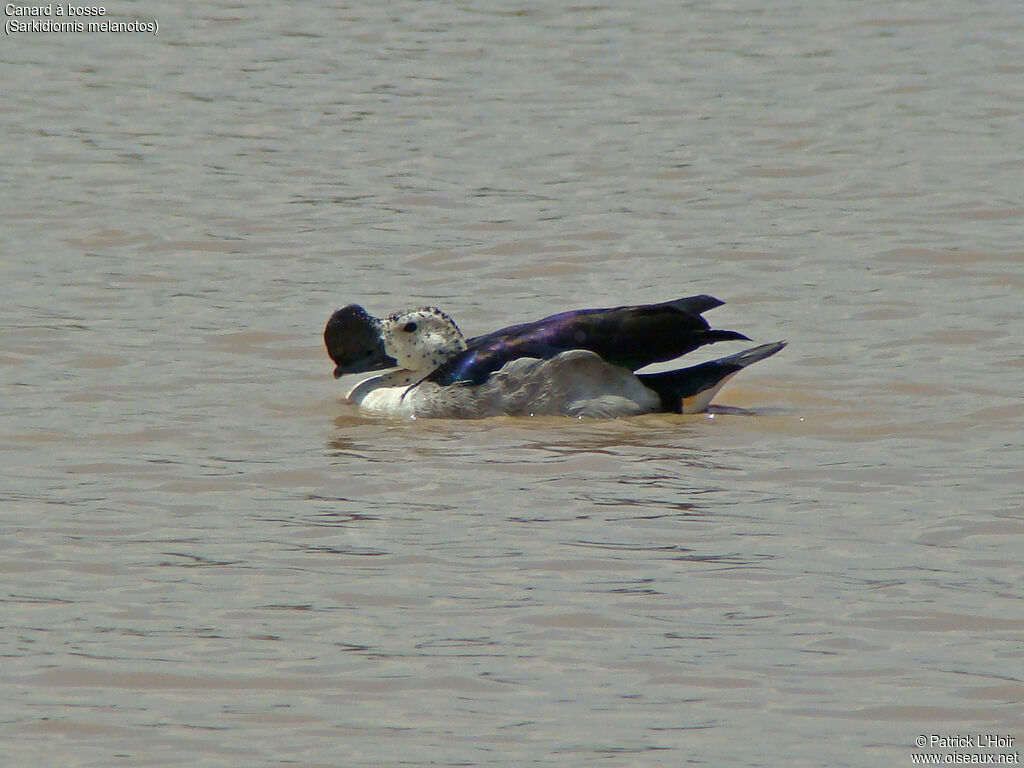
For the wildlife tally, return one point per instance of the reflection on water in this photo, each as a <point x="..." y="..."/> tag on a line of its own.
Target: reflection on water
<point x="207" y="553"/>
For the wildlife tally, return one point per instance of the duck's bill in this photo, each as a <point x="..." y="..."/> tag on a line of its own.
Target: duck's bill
<point x="354" y="342"/>
<point x="364" y="366"/>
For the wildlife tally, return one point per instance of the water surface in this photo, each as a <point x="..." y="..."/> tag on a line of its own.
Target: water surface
<point x="209" y="558"/>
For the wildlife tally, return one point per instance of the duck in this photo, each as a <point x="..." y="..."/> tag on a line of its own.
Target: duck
<point x="580" y="363"/>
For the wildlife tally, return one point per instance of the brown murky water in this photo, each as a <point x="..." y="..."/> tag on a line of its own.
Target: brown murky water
<point x="209" y="560"/>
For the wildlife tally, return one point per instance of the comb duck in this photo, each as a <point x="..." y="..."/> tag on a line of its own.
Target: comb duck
<point x="579" y="363"/>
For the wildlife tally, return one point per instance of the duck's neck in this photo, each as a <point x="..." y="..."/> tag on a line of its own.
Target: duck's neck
<point x="428" y="352"/>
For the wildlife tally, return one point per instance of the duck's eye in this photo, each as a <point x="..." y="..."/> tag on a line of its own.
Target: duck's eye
<point x="409" y="327"/>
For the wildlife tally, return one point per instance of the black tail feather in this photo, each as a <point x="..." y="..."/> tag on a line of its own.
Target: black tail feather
<point x="711" y="336"/>
<point x="673" y="387"/>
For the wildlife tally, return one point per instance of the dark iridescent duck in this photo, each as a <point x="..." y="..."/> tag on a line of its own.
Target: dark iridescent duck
<point x="577" y="363"/>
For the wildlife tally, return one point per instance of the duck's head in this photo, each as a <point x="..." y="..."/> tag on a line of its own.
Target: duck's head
<point x="353" y="339"/>
<point x="421" y="339"/>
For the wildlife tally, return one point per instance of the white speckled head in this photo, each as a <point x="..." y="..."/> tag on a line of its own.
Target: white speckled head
<point x="422" y="339"/>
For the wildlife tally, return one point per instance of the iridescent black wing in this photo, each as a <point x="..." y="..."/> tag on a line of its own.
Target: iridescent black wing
<point x="631" y="336"/>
